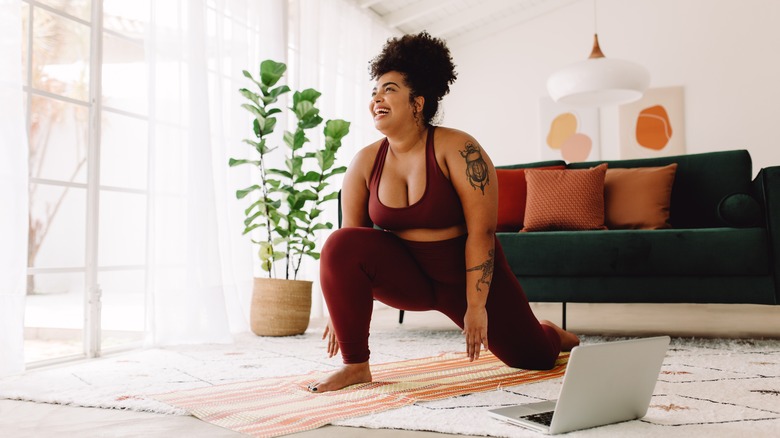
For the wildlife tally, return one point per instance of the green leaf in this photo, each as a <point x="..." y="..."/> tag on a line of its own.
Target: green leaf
<point x="278" y="255"/>
<point x="269" y="125"/>
<point x="254" y="97"/>
<point x="266" y="266"/>
<point x="309" y="94"/>
<point x="297" y="203"/>
<point x="310" y="176"/>
<point x="262" y="149"/>
<point x="260" y="204"/>
<point x="314" y="255"/>
<point x="273" y="183"/>
<point x="299" y="139"/>
<point x="252" y="109"/>
<point x="329" y="197"/>
<point x="289" y="139"/>
<point x="337" y="171"/>
<point x="252" y="218"/>
<point x="299" y="214"/>
<point x="294" y="165"/>
<point x="250" y="228"/>
<point x="271" y="71"/>
<point x="249" y="75"/>
<point x="278" y="91"/>
<point x="302" y="108"/>
<point x="261" y="121"/>
<point x="279" y="172"/>
<point x="325" y="226"/>
<point x="336" y="129"/>
<point x="308" y="195"/>
<point x="265" y="252"/>
<point x="240" y="194"/>
<point x="310" y="122"/>
<point x="233" y="162"/>
<point x="256" y="128"/>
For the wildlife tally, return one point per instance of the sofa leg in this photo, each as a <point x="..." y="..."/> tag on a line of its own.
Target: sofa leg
<point x="563" y="315"/>
<point x="400" y="317"/>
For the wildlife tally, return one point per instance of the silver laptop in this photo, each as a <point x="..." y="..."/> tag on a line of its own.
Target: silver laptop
<point x="603" y="384"/>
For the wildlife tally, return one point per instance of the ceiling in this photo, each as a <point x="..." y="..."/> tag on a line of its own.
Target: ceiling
<point x="458" y="21"/>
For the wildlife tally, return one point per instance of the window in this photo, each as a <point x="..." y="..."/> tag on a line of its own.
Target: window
<point x="87" y="122"/>
<point x="133" y="110"/>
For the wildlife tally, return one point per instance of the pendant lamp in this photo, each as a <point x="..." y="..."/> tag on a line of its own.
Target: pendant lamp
<point x="598" y="81"/>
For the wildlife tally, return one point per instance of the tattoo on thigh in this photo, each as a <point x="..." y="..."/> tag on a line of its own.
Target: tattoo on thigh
<point x="477" y="171"/>
<point x="487" y="271"/>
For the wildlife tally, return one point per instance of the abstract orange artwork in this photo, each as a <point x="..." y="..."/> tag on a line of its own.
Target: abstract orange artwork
<point x="653" y="126"/>
<point x="568" y="133"/>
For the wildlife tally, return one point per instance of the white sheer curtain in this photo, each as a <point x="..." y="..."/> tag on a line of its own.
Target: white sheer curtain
<point x="13" y="192"/>
<point x="332" y="42"/>
<point x="201" y="276"/>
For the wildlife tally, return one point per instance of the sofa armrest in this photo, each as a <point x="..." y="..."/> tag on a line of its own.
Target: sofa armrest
<point x="766" y="189"/>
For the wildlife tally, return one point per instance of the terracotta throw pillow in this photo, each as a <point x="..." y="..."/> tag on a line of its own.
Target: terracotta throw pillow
<point x="512" y="192"/>
<point x="569" y="199"/>
<point x="639" y="198"/>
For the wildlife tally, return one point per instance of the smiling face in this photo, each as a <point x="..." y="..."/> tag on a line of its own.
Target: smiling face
<point x="390" y="103"/>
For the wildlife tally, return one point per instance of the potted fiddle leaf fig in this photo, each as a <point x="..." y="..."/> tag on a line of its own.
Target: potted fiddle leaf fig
<point x="285" y="207"/>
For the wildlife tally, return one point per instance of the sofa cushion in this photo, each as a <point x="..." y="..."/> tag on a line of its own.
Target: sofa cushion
<point x="689" y="252"/>
<point x="512" y="192"/>
<point x="739" y="210"/>
<point x="701" y="181"/>
<point x="638" y="198"/>
<point x="565" y="199"/>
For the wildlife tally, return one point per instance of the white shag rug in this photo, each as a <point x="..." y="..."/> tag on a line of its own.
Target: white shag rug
<point x="707" y="387"/>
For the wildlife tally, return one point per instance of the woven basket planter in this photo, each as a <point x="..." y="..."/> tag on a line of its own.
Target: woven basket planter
<point x="280" y="307"/>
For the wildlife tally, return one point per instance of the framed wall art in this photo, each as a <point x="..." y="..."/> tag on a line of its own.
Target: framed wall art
<point x="568" y="133"/>
<point x="654" y="125"/>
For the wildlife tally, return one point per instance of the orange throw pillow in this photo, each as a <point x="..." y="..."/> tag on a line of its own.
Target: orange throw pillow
<point x="512" y="192"/>
<point x="639" y="198"/>
<point x="569" y="199"/>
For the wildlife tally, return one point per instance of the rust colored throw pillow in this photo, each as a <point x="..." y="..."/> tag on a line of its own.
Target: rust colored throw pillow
<point x="512" y="191"/>
<point x="639" y="198"/>
<point x="569" y="199"/>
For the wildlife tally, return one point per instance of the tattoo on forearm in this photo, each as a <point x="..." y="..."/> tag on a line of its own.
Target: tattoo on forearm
<point x="487" y="271"/>
<point x="477" y="171"/>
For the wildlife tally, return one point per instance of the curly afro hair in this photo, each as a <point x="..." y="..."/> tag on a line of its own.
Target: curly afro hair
<point x="426" y="65"/>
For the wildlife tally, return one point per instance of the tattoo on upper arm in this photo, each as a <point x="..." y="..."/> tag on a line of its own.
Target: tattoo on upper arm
<point x="477" y="171"/>
<point x="487" y="271"/>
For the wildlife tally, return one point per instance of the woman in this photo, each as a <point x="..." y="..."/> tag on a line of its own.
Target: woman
<point x="433" y="191"/>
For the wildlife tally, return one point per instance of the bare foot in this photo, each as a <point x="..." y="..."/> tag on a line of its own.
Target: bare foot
<point x="349" y="374"/>
<point x="568" y="339"/>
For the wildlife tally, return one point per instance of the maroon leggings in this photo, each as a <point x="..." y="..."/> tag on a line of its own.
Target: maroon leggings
<point x="359" y="265"/>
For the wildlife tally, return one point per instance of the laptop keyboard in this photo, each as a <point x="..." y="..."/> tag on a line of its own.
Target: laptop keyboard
<point x="543" y="418"/>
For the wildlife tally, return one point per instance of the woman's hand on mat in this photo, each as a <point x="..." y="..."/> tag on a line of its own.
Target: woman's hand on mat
<point x="475" y="324"/>
<point x="333" y="343"/>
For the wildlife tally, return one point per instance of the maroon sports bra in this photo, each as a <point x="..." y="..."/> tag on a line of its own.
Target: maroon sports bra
<point x="439" y="206"/>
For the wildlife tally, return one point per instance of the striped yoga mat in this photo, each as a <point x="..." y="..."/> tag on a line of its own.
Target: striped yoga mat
<point x="279" y="406"/>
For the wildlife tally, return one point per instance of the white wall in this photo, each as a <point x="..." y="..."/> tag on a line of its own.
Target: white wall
<point x="725" y="53"/>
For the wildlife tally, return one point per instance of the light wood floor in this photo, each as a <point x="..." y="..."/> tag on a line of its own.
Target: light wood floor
<point x="23" y="419"/>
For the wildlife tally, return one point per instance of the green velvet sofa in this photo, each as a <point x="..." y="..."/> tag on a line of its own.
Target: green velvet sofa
<point x="723" y="247"/>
